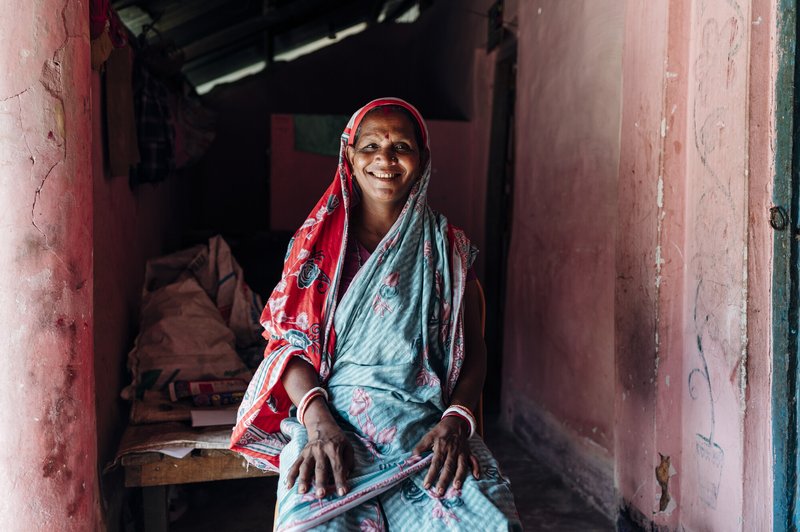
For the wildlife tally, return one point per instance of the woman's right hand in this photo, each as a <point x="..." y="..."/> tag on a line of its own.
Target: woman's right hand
<point x="327" y="455"/>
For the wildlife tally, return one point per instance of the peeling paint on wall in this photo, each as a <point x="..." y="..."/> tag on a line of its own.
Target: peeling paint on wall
<point x="48" y="417"/>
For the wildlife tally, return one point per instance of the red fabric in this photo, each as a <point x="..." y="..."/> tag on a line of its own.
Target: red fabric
<point x="98" y="15"/>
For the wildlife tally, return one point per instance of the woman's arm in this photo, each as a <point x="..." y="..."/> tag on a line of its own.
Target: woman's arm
<point x="452" y="459"/>
<point x="473" y="370"/>
<point x="327" y="453"/>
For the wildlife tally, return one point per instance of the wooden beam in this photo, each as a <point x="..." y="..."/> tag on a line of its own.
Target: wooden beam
<point x="231" y="34"/>
<point x="179" y="13"/>
<point x="398" y="10"/>
<point x="155" y="469"/>
<point x="377" y="7"/>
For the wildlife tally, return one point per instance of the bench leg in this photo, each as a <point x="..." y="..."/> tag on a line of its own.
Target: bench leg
<point x="154" y="505"/>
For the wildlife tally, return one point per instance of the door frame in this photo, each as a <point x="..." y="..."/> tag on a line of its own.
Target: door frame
<point x="785" y="213"/>
<point x="499" y="194"/>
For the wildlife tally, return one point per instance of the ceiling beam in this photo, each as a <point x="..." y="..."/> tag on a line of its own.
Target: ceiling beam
<point x="398" y="10"/>
<point x="231" y="34"/>
<point x="181" y="13"/>
<point x="377" y="7"/>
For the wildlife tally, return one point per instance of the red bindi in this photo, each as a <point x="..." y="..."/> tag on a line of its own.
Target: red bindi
<point x="386" y="135"/>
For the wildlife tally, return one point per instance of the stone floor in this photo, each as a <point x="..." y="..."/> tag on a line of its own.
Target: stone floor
<point x="543" y="500"/>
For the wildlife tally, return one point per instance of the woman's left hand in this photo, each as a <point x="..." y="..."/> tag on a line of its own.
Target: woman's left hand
<point x="452" y="459"/>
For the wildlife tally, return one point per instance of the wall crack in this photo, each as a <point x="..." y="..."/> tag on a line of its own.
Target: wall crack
<point x="36" y="198"/>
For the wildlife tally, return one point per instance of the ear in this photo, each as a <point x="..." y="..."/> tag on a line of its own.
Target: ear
<point x="350" y="153"/>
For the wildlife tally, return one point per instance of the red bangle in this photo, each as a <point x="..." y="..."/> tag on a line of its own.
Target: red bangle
<point x="310" y="395"/>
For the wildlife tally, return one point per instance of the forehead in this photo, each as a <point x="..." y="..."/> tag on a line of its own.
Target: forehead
<point x="383" y="121"/>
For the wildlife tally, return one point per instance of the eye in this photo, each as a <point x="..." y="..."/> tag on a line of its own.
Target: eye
<point x="369" y="147"/>
<point x="402" y="146"/>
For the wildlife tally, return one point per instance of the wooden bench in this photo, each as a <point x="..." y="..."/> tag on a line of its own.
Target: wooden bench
<point x="153" y="471"/>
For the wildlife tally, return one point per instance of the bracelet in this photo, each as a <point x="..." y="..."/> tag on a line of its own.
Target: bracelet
<point x="464" y="413"/>
<point x="309" y="396"/>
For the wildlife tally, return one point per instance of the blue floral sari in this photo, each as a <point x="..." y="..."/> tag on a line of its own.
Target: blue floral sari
<point x="393" y="357"/>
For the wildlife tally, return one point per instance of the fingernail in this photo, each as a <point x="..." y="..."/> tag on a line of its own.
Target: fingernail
<point x="301" y="489"/>
<point x="427" y="486"/>
<point x="320" y="492"/>
<point x="440" y="491"/>
<point x="342" y="491"/>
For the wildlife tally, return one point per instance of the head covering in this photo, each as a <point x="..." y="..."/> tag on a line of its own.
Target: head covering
<point x="298" y="317"/>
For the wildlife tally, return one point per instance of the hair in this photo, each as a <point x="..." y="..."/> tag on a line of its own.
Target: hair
<point x="395" y="109"/>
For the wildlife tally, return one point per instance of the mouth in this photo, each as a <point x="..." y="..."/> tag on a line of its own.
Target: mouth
<point x="387" y="176"/>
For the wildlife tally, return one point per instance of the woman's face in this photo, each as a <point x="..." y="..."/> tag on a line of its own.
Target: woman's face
<point x="386" y="159"/>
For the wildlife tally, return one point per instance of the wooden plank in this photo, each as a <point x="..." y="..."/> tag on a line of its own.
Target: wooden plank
<point x="216" y="465"/>
<point x="140" y="458"/>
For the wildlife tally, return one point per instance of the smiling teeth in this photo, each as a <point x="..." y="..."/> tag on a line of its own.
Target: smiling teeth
<point x="383" y="175"/>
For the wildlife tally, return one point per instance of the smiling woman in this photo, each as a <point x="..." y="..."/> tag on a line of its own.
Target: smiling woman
<point x="386" y="158"/>
<point x="375" y="335"/>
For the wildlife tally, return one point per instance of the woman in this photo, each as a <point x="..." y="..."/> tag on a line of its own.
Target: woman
<point x="375" y="334"/>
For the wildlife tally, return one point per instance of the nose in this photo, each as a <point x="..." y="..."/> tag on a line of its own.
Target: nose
<point x="387" y="153"/>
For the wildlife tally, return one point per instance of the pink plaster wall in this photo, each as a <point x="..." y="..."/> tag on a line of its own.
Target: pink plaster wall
<point x="298" y="179"/>
<point x="635" y="299"/>
<point x="48" y="473"/>
<point x="636" y="286"/>
<point x="757" y="511"/>
<point x="716" y="266"/>
<point x="559" y="331"/>
<point x="693" y="260"/>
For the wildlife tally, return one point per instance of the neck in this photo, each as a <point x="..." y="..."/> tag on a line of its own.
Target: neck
<point x="371" y="222"/>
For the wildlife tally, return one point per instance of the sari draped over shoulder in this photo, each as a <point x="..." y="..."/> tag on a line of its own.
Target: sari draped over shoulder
<point x="389" y="352"/>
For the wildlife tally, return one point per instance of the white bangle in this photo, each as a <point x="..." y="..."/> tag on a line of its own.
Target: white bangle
<point x="309" y="396"/>
<point x="462" y="412"/>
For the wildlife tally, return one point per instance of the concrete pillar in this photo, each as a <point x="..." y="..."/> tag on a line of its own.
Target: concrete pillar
<point x="48" y="471"/>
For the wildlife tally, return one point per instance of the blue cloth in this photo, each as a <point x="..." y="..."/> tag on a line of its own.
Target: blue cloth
<point x="396" y="329"/>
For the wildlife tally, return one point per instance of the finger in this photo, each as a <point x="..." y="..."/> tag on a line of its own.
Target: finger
<point x="461" y="472"/>
<point x="447" y="474"/>
<point x="423" y="445"/>
<point x="293" y="472"/>
<point x="433" y="470"/>
<point x="336" y="457"/>
<point x="321" y="472"/>
<point x="476" y="467"/>
<point x="304" y="479"/>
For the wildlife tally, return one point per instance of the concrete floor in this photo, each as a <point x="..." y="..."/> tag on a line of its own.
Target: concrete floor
<point x="543" y="500"/>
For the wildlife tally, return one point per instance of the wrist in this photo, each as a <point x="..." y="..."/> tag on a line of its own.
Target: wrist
<point x="464" y="413"/>
<point x="311" y="396"/>
<point x="317" y="411"/>
<point x="456" y="423"/>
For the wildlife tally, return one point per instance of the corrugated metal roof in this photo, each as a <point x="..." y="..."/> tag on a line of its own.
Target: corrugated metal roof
<point x="220" y="37"/>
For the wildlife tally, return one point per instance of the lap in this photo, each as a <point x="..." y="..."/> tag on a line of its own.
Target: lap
<point x="387" y="492"/>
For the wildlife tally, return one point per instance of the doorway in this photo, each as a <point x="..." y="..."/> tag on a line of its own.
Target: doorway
<point x="499" y="190"/>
